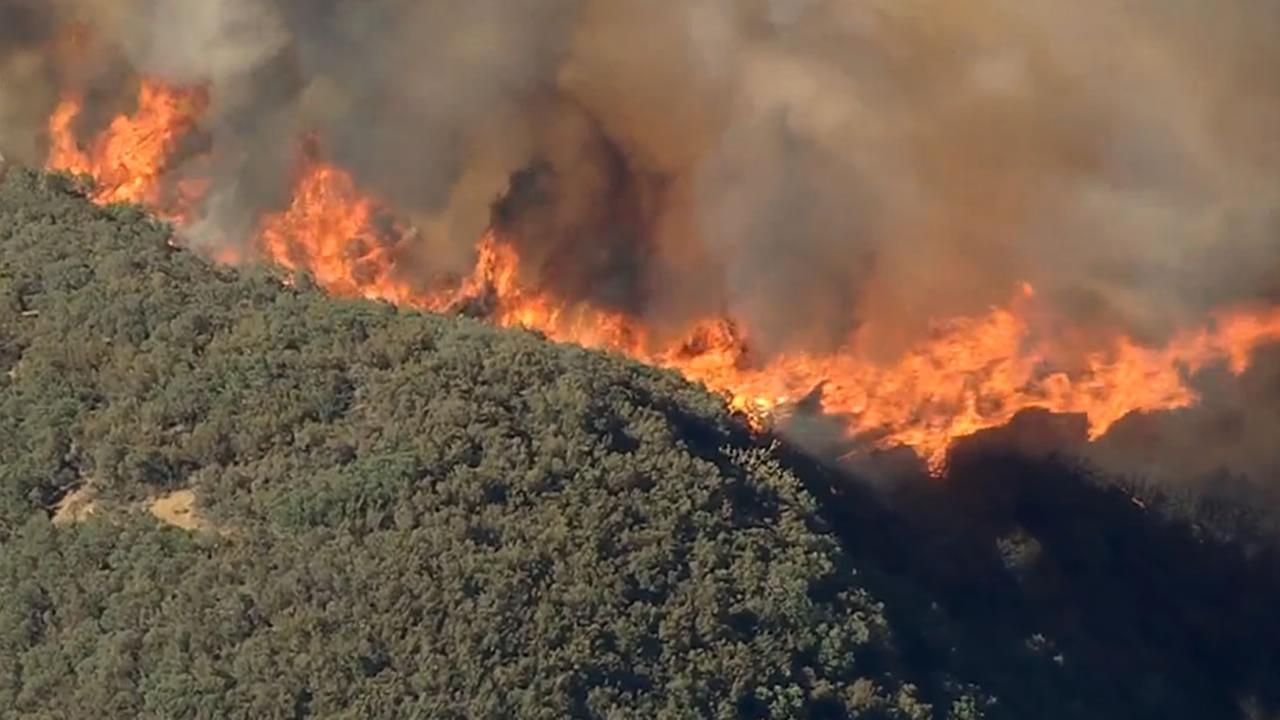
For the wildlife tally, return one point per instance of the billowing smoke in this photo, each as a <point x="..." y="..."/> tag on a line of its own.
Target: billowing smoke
<point x="812" y="167"/>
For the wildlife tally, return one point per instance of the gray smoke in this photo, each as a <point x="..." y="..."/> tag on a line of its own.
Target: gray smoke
<point x="813" y="167"/>
<point x="28" y="89"/>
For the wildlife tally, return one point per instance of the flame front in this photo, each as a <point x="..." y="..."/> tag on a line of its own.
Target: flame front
<point x="130" y="159"/>
<point x="973" y="372"/>
<point x="329" y="231"/>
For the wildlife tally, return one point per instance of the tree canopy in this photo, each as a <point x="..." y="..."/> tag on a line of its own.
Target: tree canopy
<point x="224" y="495"/>
<point x="400" y="515"/>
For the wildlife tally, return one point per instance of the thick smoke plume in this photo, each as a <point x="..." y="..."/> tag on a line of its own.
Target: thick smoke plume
<point x="814" y="168"/>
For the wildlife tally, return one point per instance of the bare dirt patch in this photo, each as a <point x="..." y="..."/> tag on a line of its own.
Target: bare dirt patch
<point x="178" y="508"/>
<point x="75" y="507"/>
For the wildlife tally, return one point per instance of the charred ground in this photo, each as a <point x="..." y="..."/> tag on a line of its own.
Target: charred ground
<point x="404" y="514"/>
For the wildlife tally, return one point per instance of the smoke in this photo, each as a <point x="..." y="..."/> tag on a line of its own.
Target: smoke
<point x="816" y="168"/>
<point x="27" y="89"/>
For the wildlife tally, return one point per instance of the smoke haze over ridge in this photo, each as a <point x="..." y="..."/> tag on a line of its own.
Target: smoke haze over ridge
<point x="814" y="168"/>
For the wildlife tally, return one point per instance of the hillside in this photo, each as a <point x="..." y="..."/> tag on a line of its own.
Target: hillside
<point x="225" y="496"/>
<point x="400" y="515"/>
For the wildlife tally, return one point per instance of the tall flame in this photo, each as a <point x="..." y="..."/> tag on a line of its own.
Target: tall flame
<point x="329" y="230"/>
<point x="129" y="160"/>
<point x="972" y="373"/>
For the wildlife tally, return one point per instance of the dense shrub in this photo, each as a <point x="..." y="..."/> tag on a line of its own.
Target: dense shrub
<point x="403" y="515"/>
<point x="407" y="515"/>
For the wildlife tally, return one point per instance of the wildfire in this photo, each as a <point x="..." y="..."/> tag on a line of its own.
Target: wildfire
<point x="972" y="373"/>
<point x="129" y="160"/>
<point x="329" y="230"/>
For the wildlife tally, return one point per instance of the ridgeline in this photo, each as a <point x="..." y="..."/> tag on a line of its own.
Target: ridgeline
<point x="224" y="496"/>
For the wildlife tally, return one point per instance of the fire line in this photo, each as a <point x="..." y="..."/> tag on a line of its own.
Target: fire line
<point x="972" y="373"/>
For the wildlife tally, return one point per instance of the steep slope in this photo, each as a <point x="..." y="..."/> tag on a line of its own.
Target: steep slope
<point x="224" y="495"/>
<point x="395" y="514"/>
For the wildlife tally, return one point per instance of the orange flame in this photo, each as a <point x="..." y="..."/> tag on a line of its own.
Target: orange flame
<point x="329" y="231"/>
<point x="972" y="373"/>
<point x="129" y="160"/>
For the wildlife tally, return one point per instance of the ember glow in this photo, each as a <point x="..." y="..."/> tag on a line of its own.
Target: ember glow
<point x="972" y="373"/>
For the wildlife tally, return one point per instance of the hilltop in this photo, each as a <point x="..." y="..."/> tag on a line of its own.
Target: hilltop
<point x="223" y="495"/>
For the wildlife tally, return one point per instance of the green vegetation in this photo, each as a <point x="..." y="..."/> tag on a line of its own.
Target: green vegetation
<point x="406" y="515"/>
